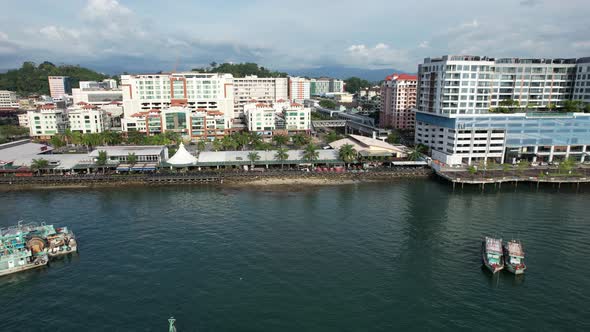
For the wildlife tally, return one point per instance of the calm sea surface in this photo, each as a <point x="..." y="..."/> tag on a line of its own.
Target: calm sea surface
<point x="366" y="257"/>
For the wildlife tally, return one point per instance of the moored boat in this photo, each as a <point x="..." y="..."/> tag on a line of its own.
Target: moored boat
<point x="491" y="252"/>
<point x="59" y="241"/>
<point x="20" y="251"/>
<point x="514" y="256"/>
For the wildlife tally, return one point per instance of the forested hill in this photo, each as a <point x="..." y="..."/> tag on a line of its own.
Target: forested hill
<point x="241" y="70"/>
<point x="32" y="79"/>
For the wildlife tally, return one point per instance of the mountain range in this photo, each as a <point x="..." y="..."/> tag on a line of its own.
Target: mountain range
<point x="342" y="72"/>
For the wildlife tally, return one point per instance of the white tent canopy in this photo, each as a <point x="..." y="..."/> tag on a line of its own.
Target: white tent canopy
<point x="182" y="157"/>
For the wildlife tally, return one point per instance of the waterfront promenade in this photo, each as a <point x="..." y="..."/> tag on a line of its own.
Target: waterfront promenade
<point x="223" y="177"/>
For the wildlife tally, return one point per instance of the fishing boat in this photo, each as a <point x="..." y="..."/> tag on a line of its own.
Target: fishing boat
<point x="20" y="250"/>
<point x="61" y="242"/>
<point x="514" y="256"/>
<point x="491" y="252"/>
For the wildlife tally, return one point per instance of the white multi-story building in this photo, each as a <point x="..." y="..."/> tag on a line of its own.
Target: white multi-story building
<point x="47" y="121"/>
<point x="398" y="98"/>
<point x="582" y="87"/>
<point x="299" y="88"/>
<point x="96" y="96"/>
<point x="59" y="86"/>
<point x="8" y="100"/>
<point x="297" y="118"/>
<point x="260" y="118"/>
<point x="23" y="120"/>
<point x="473" y="84"/>
<point x="88" y="119"/>
<point x="263" y="90"/>
<point x="462" y="118"/>
<point x="196" y="91"/>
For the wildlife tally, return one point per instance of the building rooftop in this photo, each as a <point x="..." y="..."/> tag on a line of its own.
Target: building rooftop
<point x="123" y="150"/>
<point x="21" y="150"/>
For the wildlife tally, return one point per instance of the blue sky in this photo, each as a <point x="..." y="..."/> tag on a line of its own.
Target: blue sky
<point x="135" y="35"/>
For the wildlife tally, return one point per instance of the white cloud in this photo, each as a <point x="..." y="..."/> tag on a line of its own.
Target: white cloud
<point x="3" y="36"/>
<point x="379" y="56"/>
<point x="105" y="9"/>
<point x="424" y="44"/>
<point x="59" y="33"/>
<point x="585" y="44"/>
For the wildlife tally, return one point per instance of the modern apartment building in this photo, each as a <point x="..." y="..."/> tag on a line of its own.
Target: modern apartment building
<point x="297" y="118"/>
<point x="582" y="86"/>
<point x="398" y="99"/>
<point x="260" y="118"/>
<point x="88" y="119"/>
<point x="323" y="86"/>
<point x="8" y="100"/>
<point x="196" y="91"/>
<point x="458" y="101"/>
<point x="299" y="88"/>
<point x="258" y="89"/>
<point x="23" y="120"/>
<point x="194" y="124"/>
<point x="59" y="86"/>
<point x="47" y="121"/>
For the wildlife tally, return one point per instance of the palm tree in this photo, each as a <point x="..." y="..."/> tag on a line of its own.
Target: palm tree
<point x="57" y="141"/>
<point x="282" y="155"/>
<point x="201" y="146"/>
<point x="347" y="153"/>
<point x="217" y="144"/>
<point x="300" y="140"/>
<point x="76" y="138"/>
<point x="310" y="153"/>
<point x="102" y="159"/>
<point x="229" y="143"/>
<point x="255" y="140"/>
<point x="67" y="136"/>
<point x="242" y="140"/>
<point x="414" y="154"/>
<point x="39" y="164"/>
<point x="131" y="158"/>
<point x="253" y="157"/>
<point x="280" y="140"/>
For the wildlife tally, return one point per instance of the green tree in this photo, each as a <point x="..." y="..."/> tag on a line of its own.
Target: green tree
<point x="567" y="165"/>
<point x="506" y="168"/>
<point x="57" y="141"/>
<point x="241" y="70"/>
<point x="255" y="140"/>
<point x="217" y="145"/>
<point x="201" y="146"/>
<point x="229" y="143"/>
<point x="300" y="140"/>
<point x="280" y="140"/>
<point x="392" y="138"/>
<point x="329" y="104"/>
<point x="472" y="170"/>
<point x="572" y="106"/>
<point x="242" y="139"/>
<point x="102" y="158"/>
<point x="253" y="157"/>
<point x="136" y="138"/>
<point x="131" y="157"/>
<point x="76" y="138"/>
<point x="282" y="155"/>
<point x="347" y="153"/>
<point x="355" y="84"/>
<point x="333" y="136"/>
<point x="587" y="108"/>
<point x="310" y="153"/>
<point x="414" y="154"/>
<point x="38" y="165"/>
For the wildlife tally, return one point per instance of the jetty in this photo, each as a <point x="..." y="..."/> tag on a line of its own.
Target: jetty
<point x="513" y="177"/>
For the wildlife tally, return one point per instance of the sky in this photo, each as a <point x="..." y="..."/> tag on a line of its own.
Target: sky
<point x="135" y="35"/>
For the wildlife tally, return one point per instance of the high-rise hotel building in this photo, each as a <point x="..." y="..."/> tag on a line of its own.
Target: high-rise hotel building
<point x="457" y="116"/>
<point x="211" y="92"/>
<point x="398" y="100"/>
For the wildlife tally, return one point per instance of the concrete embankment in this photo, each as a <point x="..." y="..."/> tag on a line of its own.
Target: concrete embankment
<point x="226" y="178"/>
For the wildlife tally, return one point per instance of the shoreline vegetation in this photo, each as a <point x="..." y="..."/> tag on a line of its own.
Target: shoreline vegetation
<point x="277" y="180"/>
